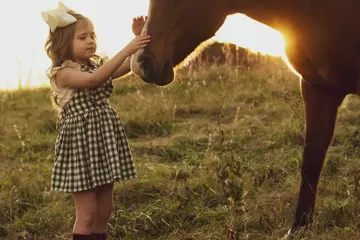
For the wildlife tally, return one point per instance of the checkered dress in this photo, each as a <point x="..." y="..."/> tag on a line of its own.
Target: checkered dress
<point x="91" y="149"/>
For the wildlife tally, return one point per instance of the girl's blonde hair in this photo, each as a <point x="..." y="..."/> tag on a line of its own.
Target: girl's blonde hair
<point x="59" y="44"/>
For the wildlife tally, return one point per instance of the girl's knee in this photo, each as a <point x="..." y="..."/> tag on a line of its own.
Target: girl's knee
<point x="86" y="219"/>
<point x="104" y="213"/>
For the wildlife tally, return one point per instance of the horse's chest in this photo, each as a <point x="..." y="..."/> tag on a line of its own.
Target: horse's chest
<point x="327" y="59"/>
<point x="320" y="65"/>
<point x="329" y="47"/>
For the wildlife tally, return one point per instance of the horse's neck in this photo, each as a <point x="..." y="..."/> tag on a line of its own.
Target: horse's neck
<point x="281" y="15"/>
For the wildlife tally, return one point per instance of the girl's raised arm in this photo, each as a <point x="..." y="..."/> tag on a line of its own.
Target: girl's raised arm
<point x="69" y="77"/>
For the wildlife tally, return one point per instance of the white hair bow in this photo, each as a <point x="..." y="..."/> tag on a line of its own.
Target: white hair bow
<point x="58" y="17"/>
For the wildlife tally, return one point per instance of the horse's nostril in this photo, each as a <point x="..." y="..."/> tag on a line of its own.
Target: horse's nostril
<point x="147" y="65"/>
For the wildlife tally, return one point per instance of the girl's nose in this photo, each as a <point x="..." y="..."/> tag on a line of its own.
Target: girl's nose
<point x="91" y="40"/>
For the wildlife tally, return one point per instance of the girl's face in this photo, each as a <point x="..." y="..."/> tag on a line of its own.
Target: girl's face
<point x="84" y="42"/>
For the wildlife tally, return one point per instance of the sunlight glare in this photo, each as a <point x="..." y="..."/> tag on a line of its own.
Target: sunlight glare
<point x="248" y="33"/>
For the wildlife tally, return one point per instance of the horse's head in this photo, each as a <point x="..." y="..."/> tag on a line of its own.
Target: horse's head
<point x="176" y="28"/>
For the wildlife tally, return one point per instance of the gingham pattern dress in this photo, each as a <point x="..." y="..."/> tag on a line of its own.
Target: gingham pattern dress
<point x="91" y="148"/>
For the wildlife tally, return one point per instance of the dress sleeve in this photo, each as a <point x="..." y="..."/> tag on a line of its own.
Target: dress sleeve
<point x="63" y="95"/>
<point x="66" y="63"/>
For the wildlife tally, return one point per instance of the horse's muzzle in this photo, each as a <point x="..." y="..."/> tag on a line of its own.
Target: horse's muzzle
<point x="150" y="71"/>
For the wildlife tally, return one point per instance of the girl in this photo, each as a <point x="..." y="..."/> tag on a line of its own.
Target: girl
<point x="91" y="150"/>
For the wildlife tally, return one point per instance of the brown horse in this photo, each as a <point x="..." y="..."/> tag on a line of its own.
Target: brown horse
<point x="322" y="44"/>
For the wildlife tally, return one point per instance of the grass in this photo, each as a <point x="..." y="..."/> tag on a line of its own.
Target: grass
<point x="218" y="153"/>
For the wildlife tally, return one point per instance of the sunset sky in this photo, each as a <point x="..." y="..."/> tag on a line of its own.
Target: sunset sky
<point x="23" y="34"/>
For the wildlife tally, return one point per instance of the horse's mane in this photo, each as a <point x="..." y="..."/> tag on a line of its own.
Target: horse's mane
<point x="186" y="62"/>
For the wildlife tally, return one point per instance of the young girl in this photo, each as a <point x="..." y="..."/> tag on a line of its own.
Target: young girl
<point x="91" y="150"/>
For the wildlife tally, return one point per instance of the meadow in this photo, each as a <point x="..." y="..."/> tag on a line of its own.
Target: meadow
<point x="218" y="155"/>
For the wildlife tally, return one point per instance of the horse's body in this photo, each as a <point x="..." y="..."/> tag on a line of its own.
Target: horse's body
<point x="322" y="44"/>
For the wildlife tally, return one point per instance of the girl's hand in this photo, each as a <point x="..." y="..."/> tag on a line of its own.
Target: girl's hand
<point x="138" y="25"/>
<point x="137" y="43"/>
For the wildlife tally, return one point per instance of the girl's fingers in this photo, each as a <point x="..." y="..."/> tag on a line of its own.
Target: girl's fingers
<point x="139" y="19"/>
<point x="143" y="36"/>
<point x="142" y="42"/>
<point x="141" y="46"/>
<point x="143" y="39"/>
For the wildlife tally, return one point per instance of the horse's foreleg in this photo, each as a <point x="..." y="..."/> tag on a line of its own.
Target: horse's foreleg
<point x="320" y="109"/>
